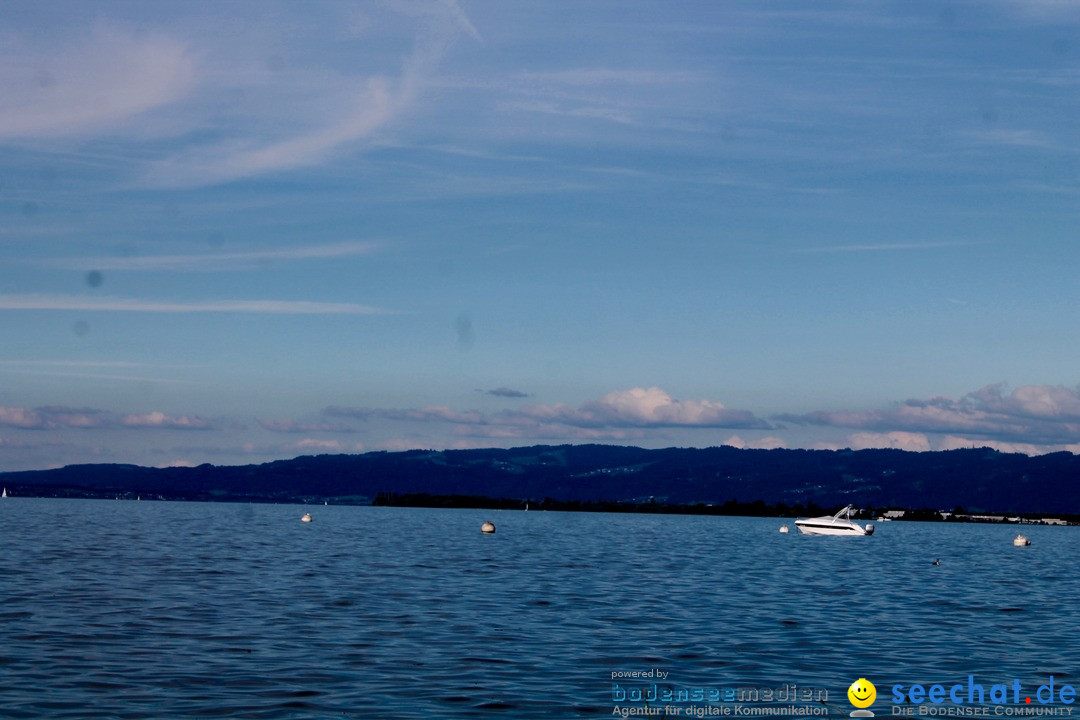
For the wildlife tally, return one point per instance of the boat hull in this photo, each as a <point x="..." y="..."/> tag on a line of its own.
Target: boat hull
<point x="810" y="529"/>
<point x="838" y="524"/>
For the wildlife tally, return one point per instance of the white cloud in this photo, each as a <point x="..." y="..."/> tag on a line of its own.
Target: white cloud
<point x="316" y="444"/>
<point x="1036" y="414"/>
<point x="158" y="419"/>
<point x="75" y="417"/>
<point x="651" y="407"/>
<point x="770" y="442"/>
<point x="952" y="442"/>
<point x="620" y="415"/>
<point x="398" y="445"/>
<point x="56" y="416"/>
<point x="916" y="442"/>
<point x="21" y="418"/>
<point x="552" y="431"/>
<point x="1037" y="401"/>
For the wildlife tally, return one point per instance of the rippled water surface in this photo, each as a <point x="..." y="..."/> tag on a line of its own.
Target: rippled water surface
<point x="151" y="609"/>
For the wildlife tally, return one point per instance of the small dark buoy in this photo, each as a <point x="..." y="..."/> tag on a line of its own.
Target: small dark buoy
<point x="487" y="527"/>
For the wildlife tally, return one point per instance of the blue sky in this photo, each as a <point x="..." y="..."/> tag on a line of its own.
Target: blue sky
<point x="237" y="232"/>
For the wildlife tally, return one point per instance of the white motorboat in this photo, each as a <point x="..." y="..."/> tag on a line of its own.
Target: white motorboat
<point x="838" y="524"/>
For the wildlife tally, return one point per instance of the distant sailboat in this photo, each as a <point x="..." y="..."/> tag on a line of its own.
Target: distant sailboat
<point x="5" y="493"/>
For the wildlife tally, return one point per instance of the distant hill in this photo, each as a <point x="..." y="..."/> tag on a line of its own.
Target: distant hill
<point x="977" y="479"/>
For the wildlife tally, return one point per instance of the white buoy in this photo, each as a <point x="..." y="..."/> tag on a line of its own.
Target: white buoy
<point x="306" y="518"/>
<point x="1021" y="541"/>
<point x="784" y="529"/>
<point x="487" y="527"/>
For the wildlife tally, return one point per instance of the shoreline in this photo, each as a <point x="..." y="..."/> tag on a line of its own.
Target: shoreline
<point x="650" y="506"/>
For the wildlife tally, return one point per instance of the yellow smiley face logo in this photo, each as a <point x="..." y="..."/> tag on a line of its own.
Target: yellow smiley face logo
<point x="862" y="693"/>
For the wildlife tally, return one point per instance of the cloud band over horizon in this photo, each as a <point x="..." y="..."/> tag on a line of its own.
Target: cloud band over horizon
<point x="1030" y="419"/>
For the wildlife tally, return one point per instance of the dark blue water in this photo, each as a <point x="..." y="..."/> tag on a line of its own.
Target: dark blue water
<point x="146" y="609"/>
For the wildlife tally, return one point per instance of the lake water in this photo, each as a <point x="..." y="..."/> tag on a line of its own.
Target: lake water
<point x="117" y="609"/>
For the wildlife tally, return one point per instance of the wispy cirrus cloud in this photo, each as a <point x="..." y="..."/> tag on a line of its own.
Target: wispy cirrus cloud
<point x="625" y="96"/>
<point x="883" y="247"/>
<point x="97" y="83"/>
<point x="72" y="363"/>
<point x="1042" y="9"/>
<point x="373" y="104"/>
<point x="208" y="110"/>
<point x="217" y="262"/>
<point x="321" y="113"/>
<point x="117" y="304"/>
<point x="95" y="370"/>
<point x="1014" y="138"/>
<point x="427" y="414"/>
<point x="606" y="77"/>
<point x="292" y="426"/>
